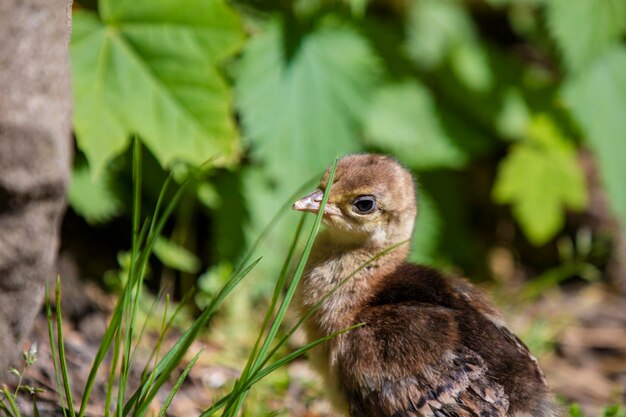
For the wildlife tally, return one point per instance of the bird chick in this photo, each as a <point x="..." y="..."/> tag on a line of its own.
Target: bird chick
<point x="430" y="345"/>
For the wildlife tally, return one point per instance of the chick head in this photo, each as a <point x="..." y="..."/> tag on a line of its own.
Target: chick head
<point x="372" y="201"/>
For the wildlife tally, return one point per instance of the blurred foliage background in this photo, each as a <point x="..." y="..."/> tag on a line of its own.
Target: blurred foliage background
<point x="510" y="113"/>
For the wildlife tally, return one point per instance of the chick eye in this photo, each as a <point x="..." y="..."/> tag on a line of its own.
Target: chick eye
<point x="364" y="204"/>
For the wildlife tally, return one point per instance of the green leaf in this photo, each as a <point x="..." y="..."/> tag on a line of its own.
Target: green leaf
<point x="302" y="100"/>
<point x="358" y="7"/>
<point x="176" y="256"/>
<point x="541" y="177"/>
<point x="585" y="29"/>
<point x="614" y="410"/>
<point x="92" y="197"/>
<point x="300" y="108"/>
<point x="403" y="120"/>
<point x="499" y="3"/>
<point x="470" y="64"/>
<point x="440" y="30"/>
<point x="152" y="68"/>
<point x="434" y="27"/>
<point x="597" y="98"/>
<point x="575" y="410"/>
<point x="513" y="118"/>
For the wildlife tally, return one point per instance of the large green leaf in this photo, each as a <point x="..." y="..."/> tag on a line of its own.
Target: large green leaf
<point x="597" y="98"/>
<point x="302" y="105"/>
<point x="584" y="29"/>
<point x="152" y="68"/>
<point x="302" y="93"/>
<point x="403" y="120"/>
<point x="442" y="30"/>
<point x="541" y="177"/>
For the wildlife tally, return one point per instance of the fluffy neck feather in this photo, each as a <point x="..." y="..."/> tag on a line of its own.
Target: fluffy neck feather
<point x="334" y="259"/>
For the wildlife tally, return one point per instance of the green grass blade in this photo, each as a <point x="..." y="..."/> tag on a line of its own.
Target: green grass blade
<point x="136" y="192"/>
<point x="299" y="268"/>
<point x="175" y="354"/>
<point x="292" y="286"/>
<point x="107" y="340"/>
<point x="127" y="341"/>
<point x="138" y="268"/>
<point x="145" y="325"/>
<point x="127" y="332"/>
<point x="158" y="345"/>
<point x="53" y="351"/>
<point x="156" y="224"/>
<point x="293" y="355"/>
<point x="192" y="175"/>
<point x="61" y="347"/>
<point x="269" y="369"/>
<point x="277" y="291"/>
<point x="178" y="384"/>
<point x="111" y="379"/>
<point x="4" y="408"/>
<point x="9" y="398"/>
<point x="134" y="278"/>
<point x="160" y="200"/>
<point x="136" y="214"/>
<point x="179" y="307"/>
<point x="35" y="408"/>
<point x="105" y="344"/>
<point x="280" y="283"/>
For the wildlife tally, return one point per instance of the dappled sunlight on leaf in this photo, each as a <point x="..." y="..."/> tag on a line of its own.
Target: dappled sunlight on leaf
<point x="584" y="30"/>
<point x="403" y="121"/>
<point x="301" y="111"/>
<point x="151" y="68"/>
<point x="540" y="178"/>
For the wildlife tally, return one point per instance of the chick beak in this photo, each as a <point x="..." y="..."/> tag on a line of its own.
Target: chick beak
<point x="311" y="203"/>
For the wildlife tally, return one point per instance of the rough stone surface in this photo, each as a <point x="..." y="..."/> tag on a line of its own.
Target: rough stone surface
<point x="35" y="155"/>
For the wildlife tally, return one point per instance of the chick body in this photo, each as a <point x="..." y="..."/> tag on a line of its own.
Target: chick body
<point x="431" y="345"/>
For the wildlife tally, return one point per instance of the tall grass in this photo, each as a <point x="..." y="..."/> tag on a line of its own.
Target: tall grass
<point x="121" y="337"/>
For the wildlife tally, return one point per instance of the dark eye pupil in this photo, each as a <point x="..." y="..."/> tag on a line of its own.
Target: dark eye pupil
<point x="364" y="204"/>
